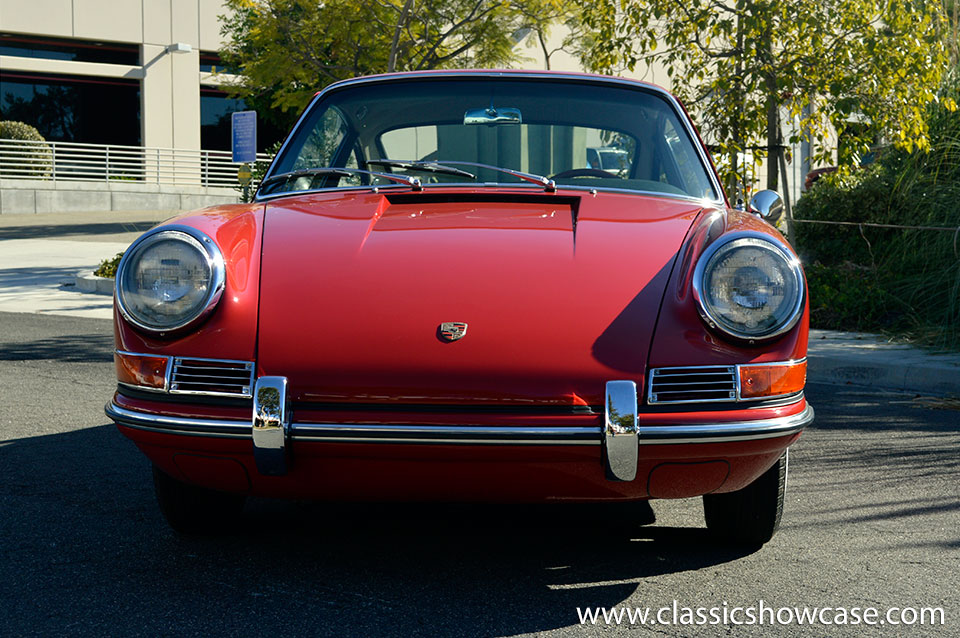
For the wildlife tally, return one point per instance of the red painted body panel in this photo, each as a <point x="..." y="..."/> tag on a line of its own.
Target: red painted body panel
<point x="388" y="472"/>
<point x="559" y="296"/>
<point x="681" y="336"/>
<point x="230" y="332"/>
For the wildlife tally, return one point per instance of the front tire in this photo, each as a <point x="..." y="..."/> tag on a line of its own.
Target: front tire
<point x="750" y="516"/>
<point x="195" y="510"/>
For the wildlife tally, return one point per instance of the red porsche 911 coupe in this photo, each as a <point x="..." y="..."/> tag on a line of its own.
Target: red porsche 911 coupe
<point x="435" y="296"/>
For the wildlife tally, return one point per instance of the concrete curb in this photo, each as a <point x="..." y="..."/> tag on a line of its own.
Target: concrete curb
<point x="86" y="282"/>
<point x="867" y="360"/>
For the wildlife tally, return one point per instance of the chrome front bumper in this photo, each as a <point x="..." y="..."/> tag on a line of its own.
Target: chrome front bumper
<point x="272" y="428"/>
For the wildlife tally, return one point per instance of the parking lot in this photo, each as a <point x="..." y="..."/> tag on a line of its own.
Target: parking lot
<point x="872" y="520"/>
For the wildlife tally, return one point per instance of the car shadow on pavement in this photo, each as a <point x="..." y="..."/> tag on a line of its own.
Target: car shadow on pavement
<point x="80" y="348"/>
<point x="47" y="231"/>
<point x="28" y="277"/>
<point x="86" y="543"/>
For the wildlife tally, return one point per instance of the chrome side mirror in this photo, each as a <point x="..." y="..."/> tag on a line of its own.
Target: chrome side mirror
<point x="767" y="204"/>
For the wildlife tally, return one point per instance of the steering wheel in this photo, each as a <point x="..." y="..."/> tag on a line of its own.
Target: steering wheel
<point x="584" y="172"/>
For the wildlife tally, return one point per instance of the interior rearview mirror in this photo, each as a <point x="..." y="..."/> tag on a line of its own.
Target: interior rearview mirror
<point x="492" y="116"/>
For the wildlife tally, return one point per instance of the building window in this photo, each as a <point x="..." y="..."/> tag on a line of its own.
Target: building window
<point x="216" y="110"/>
<point x="70" y="50"/>
<point x="211" y="63"/>
<point x="73" y="109"/>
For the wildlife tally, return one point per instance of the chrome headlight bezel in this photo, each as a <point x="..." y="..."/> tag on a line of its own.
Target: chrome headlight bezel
<point x="208" y="251"/>
<point x="717" y="250"/>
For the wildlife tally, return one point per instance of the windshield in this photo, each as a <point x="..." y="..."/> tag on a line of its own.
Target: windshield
<point x="583" y="134"/>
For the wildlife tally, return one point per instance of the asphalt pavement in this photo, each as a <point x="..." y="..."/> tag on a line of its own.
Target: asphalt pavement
<point x="42" y="255"/>
<point x="871" y="519"/>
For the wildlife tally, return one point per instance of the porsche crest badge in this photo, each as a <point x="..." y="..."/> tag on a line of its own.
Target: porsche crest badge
<point x="453" y="330"/>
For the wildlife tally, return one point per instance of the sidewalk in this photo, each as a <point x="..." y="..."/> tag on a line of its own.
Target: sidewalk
<point x="40" y="256"/>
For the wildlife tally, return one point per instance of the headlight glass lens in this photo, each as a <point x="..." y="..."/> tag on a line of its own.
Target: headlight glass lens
<point x="751" y="288"/>
<point x="168" y="281"/>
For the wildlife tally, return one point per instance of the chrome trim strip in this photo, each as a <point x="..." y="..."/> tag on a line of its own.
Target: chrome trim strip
<point x="191" y="426"/>
<point x="189" y="235"/>
<point x="481" y="435"/>
<point x="727" y="432"/>
<point x="679" y="110"/>
<point x="620" y="430"/>
<point x="652" y="400"/>
<point x="271" y="425"/>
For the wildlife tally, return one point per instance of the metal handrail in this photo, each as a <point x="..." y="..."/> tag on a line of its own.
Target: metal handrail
<point x="73" y="161"/>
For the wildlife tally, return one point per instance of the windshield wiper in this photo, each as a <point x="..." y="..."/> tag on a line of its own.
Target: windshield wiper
<point x="444" y="166"/>
<point x="420" y="165"/>
<point x="412" y="182"/>
<point x="548" y="184"/>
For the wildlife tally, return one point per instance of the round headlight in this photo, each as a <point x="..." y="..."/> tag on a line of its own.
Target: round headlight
<point x="749" y="286"/>
<point x="169" y="279"/>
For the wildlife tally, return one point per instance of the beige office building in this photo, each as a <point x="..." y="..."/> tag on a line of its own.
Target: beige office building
<point x="140" y="73"/>
<point x="135" y="72"/>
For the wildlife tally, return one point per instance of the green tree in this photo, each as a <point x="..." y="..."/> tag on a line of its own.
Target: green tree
<point x="538" y="20"/>
<point x="285" y="50"/>
<point x="742" y="65"/>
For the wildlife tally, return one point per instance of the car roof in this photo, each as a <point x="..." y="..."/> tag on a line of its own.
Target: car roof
<point x="501" y="73"/>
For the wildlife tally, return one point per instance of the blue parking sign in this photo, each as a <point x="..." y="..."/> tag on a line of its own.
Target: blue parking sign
<point x="244" y="136"/>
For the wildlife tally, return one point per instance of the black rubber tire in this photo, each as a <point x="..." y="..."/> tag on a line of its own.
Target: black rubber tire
<point x="196" y="510"/>
<point x="750" y="516"/>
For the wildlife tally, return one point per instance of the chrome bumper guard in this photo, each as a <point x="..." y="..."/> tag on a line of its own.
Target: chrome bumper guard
<point x="271" y="425"/>
<point x="272" y="428"/>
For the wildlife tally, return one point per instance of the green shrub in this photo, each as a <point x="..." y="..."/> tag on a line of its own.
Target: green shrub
<point x="900" y="281"/>
<point x="108" y="267"/>
<point x="38" y="158"/>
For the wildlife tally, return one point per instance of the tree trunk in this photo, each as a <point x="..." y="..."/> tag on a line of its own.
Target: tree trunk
<point x="737" y="189"/>
<point x="773" y="133"/>
<point x="543" y="46"/>
<point x="395" y="44"/>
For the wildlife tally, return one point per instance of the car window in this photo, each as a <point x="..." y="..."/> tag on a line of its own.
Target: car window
<point x="688" y="164"/>
<point x="320" y="145"/>
<point x="585" y="134"/>
<point x="530" y="147"/>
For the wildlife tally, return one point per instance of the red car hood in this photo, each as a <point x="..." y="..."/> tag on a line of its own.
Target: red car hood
<point x="559" y="292"/>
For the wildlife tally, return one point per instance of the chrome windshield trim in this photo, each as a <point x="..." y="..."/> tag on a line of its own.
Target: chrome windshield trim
<point x="461" y="434"/>
<point x="703" y="203"/>
<point x="581" y="78"/>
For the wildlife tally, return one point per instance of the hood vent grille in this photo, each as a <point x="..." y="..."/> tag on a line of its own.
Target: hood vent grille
<point x="693" y="384"/>
<point x="213" y="377"/>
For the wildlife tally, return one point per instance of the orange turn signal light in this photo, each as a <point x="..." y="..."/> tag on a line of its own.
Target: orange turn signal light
<point x="768" y="380"/>
<point x="141" y="370"/>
